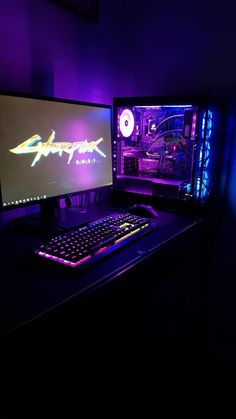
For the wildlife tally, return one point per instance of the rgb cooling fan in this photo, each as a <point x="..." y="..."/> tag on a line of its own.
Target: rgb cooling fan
<point x="126" y="123"/>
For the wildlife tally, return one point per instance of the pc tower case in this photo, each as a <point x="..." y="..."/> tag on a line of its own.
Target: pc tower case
<point x="167" y="147"/>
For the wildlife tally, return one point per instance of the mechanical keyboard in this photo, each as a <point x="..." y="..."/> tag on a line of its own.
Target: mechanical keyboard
<point x="93" y="240"/>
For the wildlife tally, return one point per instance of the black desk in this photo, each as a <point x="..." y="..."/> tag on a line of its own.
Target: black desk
<point x="37" y="295"/>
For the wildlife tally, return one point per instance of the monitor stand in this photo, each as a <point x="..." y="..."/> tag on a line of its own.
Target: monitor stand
<point x="53" y="219"/>
<point x="44" y="220"/>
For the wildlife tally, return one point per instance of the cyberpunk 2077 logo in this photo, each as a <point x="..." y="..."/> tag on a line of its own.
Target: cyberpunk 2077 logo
<point x="44" y="148"/>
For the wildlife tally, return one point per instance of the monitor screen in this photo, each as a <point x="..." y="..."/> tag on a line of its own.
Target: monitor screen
<point x="51" y="148"/>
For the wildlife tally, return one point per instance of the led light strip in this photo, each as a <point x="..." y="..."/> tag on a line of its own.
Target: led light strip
<point x="64" y="261"/>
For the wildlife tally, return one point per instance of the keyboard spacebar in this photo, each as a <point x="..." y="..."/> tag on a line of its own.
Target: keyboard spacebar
<point x="102" y="244"/>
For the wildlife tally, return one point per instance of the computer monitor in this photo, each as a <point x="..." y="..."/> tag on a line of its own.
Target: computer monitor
<point x="50" y="148"/>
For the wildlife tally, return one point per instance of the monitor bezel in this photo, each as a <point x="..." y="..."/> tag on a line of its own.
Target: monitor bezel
<point x="50" y="200"/>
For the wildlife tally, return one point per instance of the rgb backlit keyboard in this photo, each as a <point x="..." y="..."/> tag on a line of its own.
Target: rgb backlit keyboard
<point x="87" y="243"/>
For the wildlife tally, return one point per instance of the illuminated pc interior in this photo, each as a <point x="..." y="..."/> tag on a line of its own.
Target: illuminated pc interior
<point x="163" y="147"/>
<point x="50" y="148"/>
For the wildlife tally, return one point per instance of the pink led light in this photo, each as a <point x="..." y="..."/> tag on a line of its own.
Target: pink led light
<point x="64" y="261"/>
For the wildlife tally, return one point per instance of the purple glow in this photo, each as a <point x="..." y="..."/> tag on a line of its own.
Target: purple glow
<point x="164" y="106"/>
<point x="193" y="131"/>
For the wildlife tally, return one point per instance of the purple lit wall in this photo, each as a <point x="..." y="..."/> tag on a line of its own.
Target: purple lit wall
<point x="152" y="48"/>
<point x="50" y="51"/>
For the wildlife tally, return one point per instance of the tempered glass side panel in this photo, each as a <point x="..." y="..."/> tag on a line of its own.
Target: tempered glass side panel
<point x="156" y="143"/>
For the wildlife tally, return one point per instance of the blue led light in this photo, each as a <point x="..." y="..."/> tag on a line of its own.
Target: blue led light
<point x="204" y="155"/>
